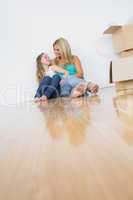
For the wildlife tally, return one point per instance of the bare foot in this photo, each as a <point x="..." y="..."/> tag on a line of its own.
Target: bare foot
<point x="44" y="98"/>
<point x="79" y="90"/>
<point x="37" y="99"/>
<point x="93" y="88"/>
<point x="76" y="94"/>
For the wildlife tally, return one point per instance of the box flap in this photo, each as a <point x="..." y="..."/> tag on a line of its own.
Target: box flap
<point x="112" y="29"/>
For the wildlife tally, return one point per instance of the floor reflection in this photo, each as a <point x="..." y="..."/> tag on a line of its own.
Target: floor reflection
<point x="124" y="108"/>
<point x="65" y="117"/>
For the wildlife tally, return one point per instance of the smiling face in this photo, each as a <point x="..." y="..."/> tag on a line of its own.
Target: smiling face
<point x="57" y="51"/>
<point x="45" y="59"/>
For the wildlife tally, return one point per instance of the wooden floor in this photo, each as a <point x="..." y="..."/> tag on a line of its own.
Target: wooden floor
<point x="80" y="149"/>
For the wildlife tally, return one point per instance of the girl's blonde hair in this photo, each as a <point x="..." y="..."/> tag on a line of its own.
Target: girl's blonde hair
<point x="65" y="50"/>
<point x="40" y="69"/>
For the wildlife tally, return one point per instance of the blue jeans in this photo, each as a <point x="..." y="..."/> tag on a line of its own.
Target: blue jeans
<point x="50" y="87"/>
<point x="69" y="83"/>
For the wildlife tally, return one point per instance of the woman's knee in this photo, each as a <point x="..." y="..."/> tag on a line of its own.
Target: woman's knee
<point x="66" y="90"/>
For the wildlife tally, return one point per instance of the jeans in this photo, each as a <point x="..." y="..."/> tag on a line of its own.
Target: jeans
<point x="69" y="83"/>
<point x="50" y="87"/>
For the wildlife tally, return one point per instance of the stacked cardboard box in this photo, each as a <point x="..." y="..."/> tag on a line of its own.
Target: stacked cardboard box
<point x="121" y="68"/>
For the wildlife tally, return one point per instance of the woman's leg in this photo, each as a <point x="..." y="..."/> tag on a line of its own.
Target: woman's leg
<point x="92" y="87"/>
<point x="53" y="90"/>
<point x="83" y="88"/>
<point x="66" y="89"/>
<point x="74" y="81"/>
<point x="45" y="82"/>
<point x="79" y="90"/>
<point x="78" y="85"/>
<point x="70" y="83"/>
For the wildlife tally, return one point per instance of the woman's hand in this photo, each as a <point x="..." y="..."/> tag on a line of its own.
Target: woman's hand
<point x="63" y="80"/>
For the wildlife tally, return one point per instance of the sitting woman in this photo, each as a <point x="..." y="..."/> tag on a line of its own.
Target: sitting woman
<point x="48" y="77"/>
<point x="74" y="85"/>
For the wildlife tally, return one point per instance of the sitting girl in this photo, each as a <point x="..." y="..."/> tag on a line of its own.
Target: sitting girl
<point x="48" y="77"/>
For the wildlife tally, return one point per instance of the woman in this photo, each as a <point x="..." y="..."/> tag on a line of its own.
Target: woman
<point x="75" y="84"/>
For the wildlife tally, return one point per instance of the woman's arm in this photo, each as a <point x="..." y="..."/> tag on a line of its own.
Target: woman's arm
<point x="80" y="73"/>
<point x="59" y="69"/>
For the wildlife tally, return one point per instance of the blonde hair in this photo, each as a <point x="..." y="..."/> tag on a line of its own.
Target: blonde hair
<point x="40" y="69"/>
<point x="65" y="50"/>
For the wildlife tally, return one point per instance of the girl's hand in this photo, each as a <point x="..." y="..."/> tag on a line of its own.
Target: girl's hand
<point x="62" y="81"/>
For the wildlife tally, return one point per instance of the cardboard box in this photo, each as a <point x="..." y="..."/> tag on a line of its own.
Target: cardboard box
<point x="126" y="53"/>
<point x="122" y="37"/>
<point x="121" y="69"/>
<point x="124" y="87"/>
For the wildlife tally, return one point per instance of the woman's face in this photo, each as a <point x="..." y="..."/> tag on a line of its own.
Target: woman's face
<point x="45" y="59"/>
<point x="57" y="51"/>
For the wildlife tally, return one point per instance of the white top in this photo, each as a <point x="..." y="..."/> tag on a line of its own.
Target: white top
<point x="50" y="72"/>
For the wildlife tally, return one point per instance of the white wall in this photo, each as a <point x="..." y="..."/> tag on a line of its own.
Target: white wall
<point x="30" y="27"/>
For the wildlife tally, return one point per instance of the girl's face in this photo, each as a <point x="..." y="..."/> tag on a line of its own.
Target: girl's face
<point x="57" y="51"/>
<point x="45" y="59"/>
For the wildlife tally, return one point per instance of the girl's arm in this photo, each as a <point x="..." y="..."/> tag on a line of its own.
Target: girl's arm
<point x="59" y="69"/>
<point x="79" y="68"/>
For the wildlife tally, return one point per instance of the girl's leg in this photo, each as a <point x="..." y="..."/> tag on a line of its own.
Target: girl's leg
<point x="56" y="93"/>
<point x="45" y="82"/>
<point x="52" y="90"/>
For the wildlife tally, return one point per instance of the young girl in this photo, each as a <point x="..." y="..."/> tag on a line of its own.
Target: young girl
<point x="49" y="77"/>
